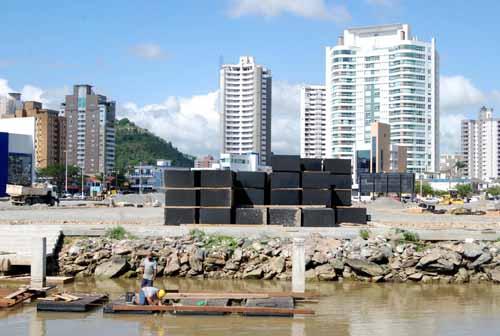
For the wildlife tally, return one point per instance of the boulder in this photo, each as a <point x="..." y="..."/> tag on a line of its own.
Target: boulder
<point x="482" y="259"/>
<point x="472" y="250"/>
<point x="253" y="274"/>
<point x="415" y="276"/>
<point x="112" y="268"/>
<point x="277" y="265"/>
<point x="325" y="272"/>
<point x="172" y="266"/>
<point x="74" y="250"/>
<point x="365" y="267"/>
<point x="495" y="275"/>
<point x="430" y="258"/>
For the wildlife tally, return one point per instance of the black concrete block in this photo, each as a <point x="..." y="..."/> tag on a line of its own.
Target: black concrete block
<point x="251" y="216"/>
<point x="249" y="196"/>
<point x="216" y="178"/>
<point x="178" y="216"/>
<point x="311" y="164"/>
<point x="319" y="180"/>
<point x="216" y="197"/>
<point x="284" y="180"/>
<point x="337" y="166"/>
<point x="182" y="178"/>
<point x="250" y="180"/>
<point x="215" y="215"/>
<point x="285" y="197"/>
<point x="317" y="197"/>
<point x="285" y="163"/>
<point x="341" y="197"/>
<point x="318" y="217"/>
<point x="343" y="181"/>
<point x="351" y="215"/>
<point x="284" y="216"/>
<point x="182" y="197"/>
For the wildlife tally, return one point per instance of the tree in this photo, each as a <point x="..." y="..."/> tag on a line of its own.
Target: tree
<point x="493" y="191"/>
<point x="57" y="174"/>
<point x="426" y="188"/>
<point x="464" y="190"/>
<point x="459" y="165"/>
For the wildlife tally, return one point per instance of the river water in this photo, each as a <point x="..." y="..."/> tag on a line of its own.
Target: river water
<point x="344" y="309"/>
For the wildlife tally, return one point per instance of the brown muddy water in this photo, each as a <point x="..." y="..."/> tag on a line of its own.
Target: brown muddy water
<point x="344" y="309"/>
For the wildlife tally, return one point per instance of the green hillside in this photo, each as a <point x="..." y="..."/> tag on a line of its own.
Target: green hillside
<point x="135" y="145"/>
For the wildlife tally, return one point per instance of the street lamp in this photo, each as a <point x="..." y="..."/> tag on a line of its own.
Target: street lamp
<point x="82" y="183"/>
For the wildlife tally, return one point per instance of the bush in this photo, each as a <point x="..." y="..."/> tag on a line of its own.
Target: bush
<point x="119" y="232"/>
<point x="364" y="233"/>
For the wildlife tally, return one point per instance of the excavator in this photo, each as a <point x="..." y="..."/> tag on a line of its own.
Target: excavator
<point x="451" y="198"/>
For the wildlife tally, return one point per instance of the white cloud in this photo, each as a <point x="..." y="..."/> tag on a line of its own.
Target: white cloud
<point x="150" y="51"/>
<point x="459" y="92"/>
<point x="190" y="123"/>
<point x="314" y="9"/>
<point x="51" y="98"/>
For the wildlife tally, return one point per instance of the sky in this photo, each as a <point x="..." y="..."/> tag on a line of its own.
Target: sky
<point x="159" y="59"/>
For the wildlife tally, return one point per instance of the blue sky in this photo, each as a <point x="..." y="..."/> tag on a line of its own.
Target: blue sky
<point x="159" y="59"/>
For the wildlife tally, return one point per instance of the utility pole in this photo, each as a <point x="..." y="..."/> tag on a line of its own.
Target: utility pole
<point x="82" y="184"/>
<point x="421" y="182"/>
<point x="66" y="172"/>
<point x="140" y="178"/>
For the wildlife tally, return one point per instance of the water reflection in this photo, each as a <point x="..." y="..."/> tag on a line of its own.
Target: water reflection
<point x="344" y="309"/>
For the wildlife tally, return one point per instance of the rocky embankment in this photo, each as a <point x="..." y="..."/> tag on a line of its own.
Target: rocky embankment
<point x="390" y="259"/>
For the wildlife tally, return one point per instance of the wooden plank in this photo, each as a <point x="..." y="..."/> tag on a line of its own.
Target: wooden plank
<point x="16" y="293"/>
<point x="50" y="279"/>
<point x="215" y="309"/>
<point x="295" y="295"/>
<point x="177" y="296"/>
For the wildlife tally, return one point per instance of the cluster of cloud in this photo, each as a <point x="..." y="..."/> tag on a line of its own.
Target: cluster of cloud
<point x="148" y="51"/>
<point x="193" y="125"/>
<point x="313" y="9"/>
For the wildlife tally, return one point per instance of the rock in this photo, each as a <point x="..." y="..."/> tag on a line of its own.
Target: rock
<point x="482" y="259"/>
<point x="74" y="250"/>
<point x="462" y="275"/>
<point x="495" y="275"/>
<point x="172" y="266"/>
<point x="472" y="250"/>
<point x="379" y="278"/>
<point x="310" y="274"/>
<point x="325" y="272"/>
<point x="365" y="267"/>
<point x="415" y="276"/>
<point x="319" y="258"/>
<point x="113" y="268"/>
<point x="338" y="265"/>
<point x="277" y="265"/>
<point x="196" y="260"/>
<point x="238" y="254"/>
<point x="253" y="274"/>
<point x="129" y="274"/>
<point x="429" y="258"/>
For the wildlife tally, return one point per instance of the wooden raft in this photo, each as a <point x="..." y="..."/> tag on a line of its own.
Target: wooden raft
<point x="213" y="309"/>
<point x="10" y="299"/>
<point x="71" y="302"/>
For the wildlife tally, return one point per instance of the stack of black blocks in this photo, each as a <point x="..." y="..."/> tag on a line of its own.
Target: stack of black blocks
<point x="285" y="184"/>
<point x="182" y="197"/>
<point x="249" y="197"/>
<point x="216" y="196"/>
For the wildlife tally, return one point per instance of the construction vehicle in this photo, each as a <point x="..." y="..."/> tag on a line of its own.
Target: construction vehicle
<point x="451" y="198"/>
<point x="37" y="193"/>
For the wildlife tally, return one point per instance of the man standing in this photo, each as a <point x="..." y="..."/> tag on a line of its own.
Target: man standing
<point x="148" y="267"/>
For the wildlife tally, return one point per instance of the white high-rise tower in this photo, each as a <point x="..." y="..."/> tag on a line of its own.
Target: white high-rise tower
<point x="245" y="108"/>
<point x="382" y="73"/>
<point x="312" y="121"/>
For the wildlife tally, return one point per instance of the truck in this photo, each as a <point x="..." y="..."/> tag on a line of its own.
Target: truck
<point x="28" y="195"/>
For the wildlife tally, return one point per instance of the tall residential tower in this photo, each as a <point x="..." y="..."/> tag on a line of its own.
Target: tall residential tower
<point x="382" y="73"/>
<point x="90" y="130"/>
<point x="480" y="142"/>
<point x="245" y="108"/>
<point x="312" y="121"/>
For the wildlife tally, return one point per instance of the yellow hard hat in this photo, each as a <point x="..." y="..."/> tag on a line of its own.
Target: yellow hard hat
<point x="161" y="293"/>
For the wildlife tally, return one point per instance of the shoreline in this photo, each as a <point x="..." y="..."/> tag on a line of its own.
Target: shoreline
<point x="399" y="257"/>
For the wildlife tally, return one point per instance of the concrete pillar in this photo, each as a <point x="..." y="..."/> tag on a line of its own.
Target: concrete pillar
<point x="298" y="265"/>
<point x="38" y="262"/>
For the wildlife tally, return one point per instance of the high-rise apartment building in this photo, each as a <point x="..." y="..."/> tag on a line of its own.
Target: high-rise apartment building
<point x="50" y="133"/>
<point x="480" y="142"/>
<point x="245" y="108"/>
<point x="90" y="121"/>
<point x="9" y="104"/>
<point x="382" y="73"/>
<point x="313" y="121"/>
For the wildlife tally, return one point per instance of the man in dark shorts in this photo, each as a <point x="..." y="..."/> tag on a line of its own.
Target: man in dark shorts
<point x="149" y="296"/>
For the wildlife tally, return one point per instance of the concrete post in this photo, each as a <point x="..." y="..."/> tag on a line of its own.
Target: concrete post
<point x="38" y="262"/>
<point x="298" y="265"/>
